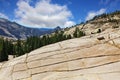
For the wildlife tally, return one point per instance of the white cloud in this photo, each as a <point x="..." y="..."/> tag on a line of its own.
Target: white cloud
<point x="69" y="23"/>
<point x="3" y="16"/>
<point x="92" y="14"/>
<point x="43" y="14"/>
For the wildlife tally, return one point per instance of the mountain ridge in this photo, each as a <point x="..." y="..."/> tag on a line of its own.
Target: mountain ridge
<point x="102" y="22"/>
<point x="14" y="30"/>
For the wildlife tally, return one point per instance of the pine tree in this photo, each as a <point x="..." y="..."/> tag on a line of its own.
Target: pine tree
<point x="3" y="51"/>
<point x="69" y="36"/>
<point x="19" y="48"/>
<point x="78" y="33"/>
<point x="81" y="33"/>
<point x="75" y="34"/>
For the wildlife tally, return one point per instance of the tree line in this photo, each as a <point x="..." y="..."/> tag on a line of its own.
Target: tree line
<point x="20" y="47"/>
<point x="104" y="15"/>
<point x="6" y="48"/>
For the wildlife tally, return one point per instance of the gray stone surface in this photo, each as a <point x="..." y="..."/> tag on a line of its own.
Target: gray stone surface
<point x="76" y="59"/>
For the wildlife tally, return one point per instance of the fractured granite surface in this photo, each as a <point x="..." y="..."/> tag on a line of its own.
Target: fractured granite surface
<point x="83" y="58"/>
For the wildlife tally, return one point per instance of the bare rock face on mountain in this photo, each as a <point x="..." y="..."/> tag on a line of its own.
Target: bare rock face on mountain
<point x="14" y="30"/>
<point x="102" y="22"/>
<point x="93" y="57"/>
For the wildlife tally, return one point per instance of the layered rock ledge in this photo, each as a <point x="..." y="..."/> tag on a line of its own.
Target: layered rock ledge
<point x="85" y="58"/>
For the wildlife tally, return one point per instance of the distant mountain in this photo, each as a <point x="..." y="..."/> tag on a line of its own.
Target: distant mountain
<point x="15" y="30"/>
<point x="57" y="28"/>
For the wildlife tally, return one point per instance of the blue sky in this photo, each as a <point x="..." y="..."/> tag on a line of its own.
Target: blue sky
<point x="52" y="13"/>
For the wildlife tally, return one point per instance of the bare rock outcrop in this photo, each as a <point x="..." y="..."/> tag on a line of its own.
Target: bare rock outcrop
<point x="83" y="58"/>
